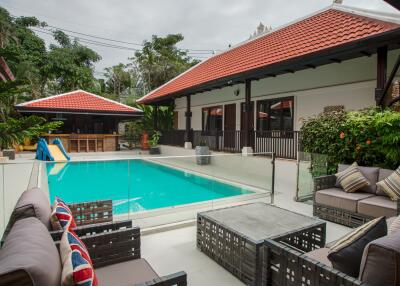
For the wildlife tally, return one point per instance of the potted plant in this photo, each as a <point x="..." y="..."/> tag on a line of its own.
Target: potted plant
<point x="154" y="149"/>
<point x="202" y="153"/>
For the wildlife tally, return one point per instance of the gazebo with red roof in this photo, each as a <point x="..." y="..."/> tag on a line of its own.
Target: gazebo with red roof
<point x="90" y="121"/>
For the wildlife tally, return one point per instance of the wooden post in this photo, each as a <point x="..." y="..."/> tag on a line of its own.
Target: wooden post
<point x="188" y="116"/>
<point x="247" y="112"/>
<point x="381" y="73"/>
<point x="155" y="117"/>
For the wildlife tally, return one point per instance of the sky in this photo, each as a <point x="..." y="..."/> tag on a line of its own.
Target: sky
<point x="205" y="24"/>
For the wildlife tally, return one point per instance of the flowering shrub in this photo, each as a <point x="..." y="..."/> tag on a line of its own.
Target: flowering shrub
<point x="371" y="137"/>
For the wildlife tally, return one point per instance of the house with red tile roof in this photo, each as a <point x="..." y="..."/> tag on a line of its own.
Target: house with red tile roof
<point x="90" y="121"/>
<point x="256" y="94"/>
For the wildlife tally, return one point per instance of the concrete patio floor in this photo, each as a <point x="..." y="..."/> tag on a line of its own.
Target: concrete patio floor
<point x="175" y="250"/>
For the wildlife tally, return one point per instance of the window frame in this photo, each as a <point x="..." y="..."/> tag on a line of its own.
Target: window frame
<point x="271" y="101"/>
<point x="209" y="108"/>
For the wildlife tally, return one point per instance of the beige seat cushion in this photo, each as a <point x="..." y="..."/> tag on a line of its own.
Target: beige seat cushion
<point x="126" y="273"/>
<point x="321" y="255"/>
<point x="377" y="206"/>
<point x="338" y="198"/>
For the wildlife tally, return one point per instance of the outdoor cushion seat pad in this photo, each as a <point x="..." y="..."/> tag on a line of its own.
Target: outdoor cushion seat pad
<point x="377" y="206"/>
<point x="320" y="255"/>
<point x="346" y="254"/>
<point x="338" y="198"/>
<point x="126" y="273"/>
<point x="380" y="265"/>
<point x="32" y="203"/>
<point x="29" y="251"/>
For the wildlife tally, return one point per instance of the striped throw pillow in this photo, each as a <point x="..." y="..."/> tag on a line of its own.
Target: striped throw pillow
<point x="391" y="185"/>
<point x="352" y="179"/>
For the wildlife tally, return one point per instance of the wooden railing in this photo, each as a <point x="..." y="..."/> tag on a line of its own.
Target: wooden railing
<point x="283" y="143"/>
<point x="173" y="138"/>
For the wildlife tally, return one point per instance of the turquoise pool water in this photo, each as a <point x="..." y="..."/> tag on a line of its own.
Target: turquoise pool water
<point x="133" y="185"/>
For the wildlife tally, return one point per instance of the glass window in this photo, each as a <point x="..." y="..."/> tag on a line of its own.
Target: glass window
<point x="275" y="114"/>
<point x="212" y="118"/>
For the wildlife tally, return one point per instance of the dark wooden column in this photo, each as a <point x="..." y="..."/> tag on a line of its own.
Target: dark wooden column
<point x="155" y="117"/>
<point x="188" y="116"/>
<point x="381" y="69"/>
<point x="247" y="113"/>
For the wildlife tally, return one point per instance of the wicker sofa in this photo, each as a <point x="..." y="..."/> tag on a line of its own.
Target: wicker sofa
<point x="353" y="209"/>
<point x="287" y="264"/>
<point x="116" y="263"/>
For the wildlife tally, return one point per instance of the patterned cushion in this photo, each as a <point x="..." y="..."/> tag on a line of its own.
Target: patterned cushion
<point x="346" y="253"/>
<point x="78" y="271"/>
<point x="61" y="216"/>
<point x="352" y="179"/>
<point x="69" y="242"/>
<point x="391" y="185"/>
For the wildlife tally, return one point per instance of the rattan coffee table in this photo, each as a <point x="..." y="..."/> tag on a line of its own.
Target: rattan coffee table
<point x="234" y="236"/>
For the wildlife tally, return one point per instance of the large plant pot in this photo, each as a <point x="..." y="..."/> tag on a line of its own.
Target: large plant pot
<point x="10" y="153"/>
<point x="154" y="150"/>
<point x="201" y="155"/>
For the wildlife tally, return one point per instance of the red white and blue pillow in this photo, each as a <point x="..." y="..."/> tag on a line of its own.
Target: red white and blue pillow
<point x="70" y="242"/>
<point x="78" y="271"/>
<point x="61" y="216"/>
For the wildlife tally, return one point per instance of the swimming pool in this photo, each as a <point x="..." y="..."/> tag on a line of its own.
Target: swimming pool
<point x="134" y="185"/>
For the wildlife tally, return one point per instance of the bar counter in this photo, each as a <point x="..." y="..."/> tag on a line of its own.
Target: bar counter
<point x="86" y="142"/>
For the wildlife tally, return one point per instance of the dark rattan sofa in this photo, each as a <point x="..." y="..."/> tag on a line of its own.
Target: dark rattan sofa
<point x="285" y="263"/>
<point x="117" y="260"/>
<point x="353" y="209"/>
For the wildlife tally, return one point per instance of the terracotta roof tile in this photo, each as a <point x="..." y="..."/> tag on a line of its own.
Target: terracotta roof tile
<point x="78" y="101"/>
<point x="325" y="30"/>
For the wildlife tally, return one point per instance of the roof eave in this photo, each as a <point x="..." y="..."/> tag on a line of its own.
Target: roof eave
<point x="346" y="51"/>
<point x="25" y="109"/>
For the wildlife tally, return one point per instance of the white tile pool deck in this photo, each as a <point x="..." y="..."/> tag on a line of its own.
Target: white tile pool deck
<point x="175" y="250"/>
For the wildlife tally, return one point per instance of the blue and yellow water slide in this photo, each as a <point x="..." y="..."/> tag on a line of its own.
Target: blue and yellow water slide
<point x="51" y="152"/>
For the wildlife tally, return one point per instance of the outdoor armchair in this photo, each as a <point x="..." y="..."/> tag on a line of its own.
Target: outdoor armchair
<point x="116" y="263"/>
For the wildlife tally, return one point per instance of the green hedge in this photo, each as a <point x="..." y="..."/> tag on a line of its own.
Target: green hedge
<point x="371" y="137"/>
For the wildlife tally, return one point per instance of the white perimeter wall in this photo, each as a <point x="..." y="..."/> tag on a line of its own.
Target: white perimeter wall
<point x="350" y="83"/>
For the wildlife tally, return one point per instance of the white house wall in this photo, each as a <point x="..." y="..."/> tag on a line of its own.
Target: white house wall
<point x="350" y="83"/>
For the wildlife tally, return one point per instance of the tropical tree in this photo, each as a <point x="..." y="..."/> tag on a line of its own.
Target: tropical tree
<point x="160" y="60"/>
<point x="119" y="80"/>
<point x="70" y="65"/>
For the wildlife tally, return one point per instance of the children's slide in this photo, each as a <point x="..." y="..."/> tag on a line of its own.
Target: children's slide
<point x="51" y="152"/>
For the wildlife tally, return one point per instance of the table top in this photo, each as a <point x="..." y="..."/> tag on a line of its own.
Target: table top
<point x="259" y="221"/>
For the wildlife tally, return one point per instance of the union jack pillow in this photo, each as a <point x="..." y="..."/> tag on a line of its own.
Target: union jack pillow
<point x="69" y="242"/>
<point x="78" y="271"/>
<point x="61" y="216"/>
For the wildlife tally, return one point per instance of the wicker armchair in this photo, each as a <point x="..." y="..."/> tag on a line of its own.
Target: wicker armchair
<point x="121" y="243"/>
<point x="116" y="257"/>
<point x="285" y="265"/>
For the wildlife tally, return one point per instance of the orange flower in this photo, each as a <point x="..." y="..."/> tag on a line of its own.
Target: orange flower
<point x="342" y="135"/>
<point x="368" y="142"/>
